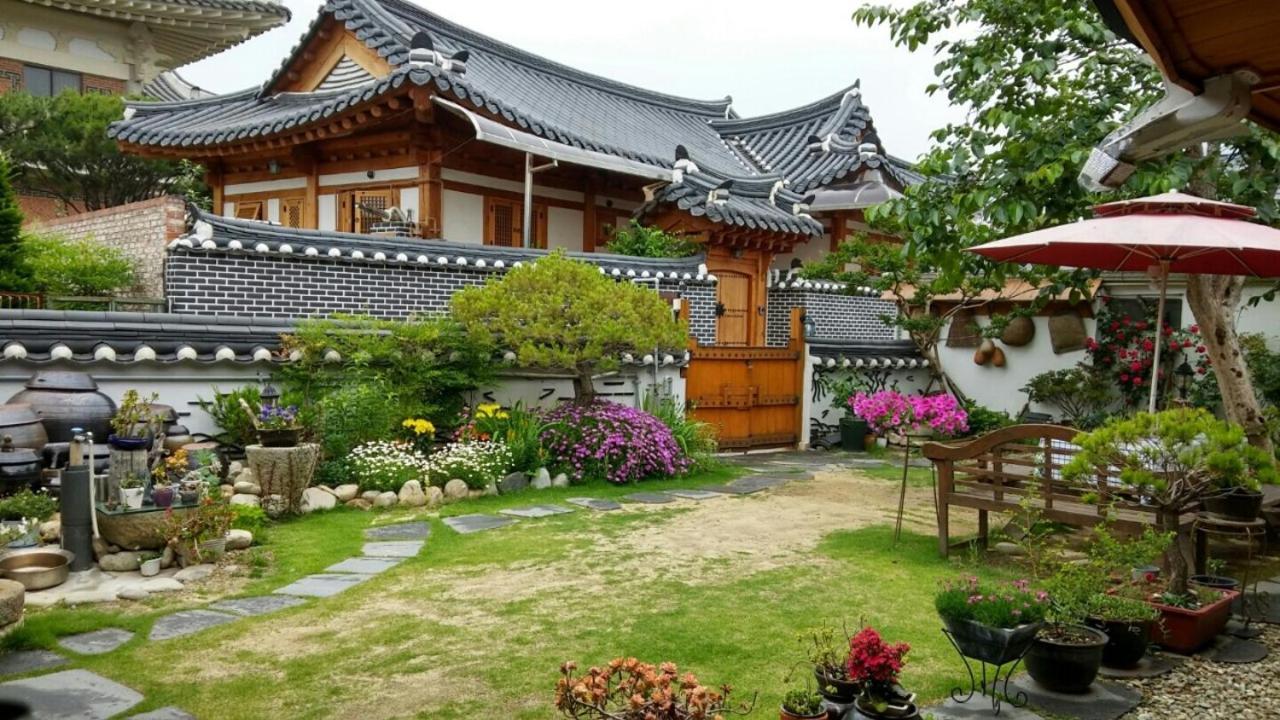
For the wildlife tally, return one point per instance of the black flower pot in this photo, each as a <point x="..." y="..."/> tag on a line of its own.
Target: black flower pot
<point x="1240" y="504"/>
<point x="128" y="443"/>
<point x="996" y="646"/>
<point x="842" y="690"/>
<point x="1214" y="582"/>
<point x="853" y="434"/>
<point x="1067" y="665"/>
<point x="286" y="437"/>
<point x="1127" y="641"/>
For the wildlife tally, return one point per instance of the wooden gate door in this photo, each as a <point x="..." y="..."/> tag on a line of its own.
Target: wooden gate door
<point x="753" y="396"/>
<point x="734" y="296"/>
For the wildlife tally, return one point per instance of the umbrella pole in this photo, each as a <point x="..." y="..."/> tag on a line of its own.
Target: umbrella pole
<point x="1159" y="342"/>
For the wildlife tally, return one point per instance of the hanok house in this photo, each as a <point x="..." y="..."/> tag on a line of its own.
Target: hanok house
<point x="395" y="155"/>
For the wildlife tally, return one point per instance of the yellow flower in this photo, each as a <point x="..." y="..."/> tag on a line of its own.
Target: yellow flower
<point x="488" y="409"/>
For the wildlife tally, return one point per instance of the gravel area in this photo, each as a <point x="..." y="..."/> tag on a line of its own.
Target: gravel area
<point x="1199" y="690"/>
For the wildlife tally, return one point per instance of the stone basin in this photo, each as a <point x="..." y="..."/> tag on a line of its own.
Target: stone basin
<point x="136" y="529"/>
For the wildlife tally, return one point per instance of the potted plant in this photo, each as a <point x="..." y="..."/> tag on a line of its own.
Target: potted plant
<point x="162" y="494"/>
<point x="200" y="535"/>
<point x="1172" y="460"/>
<point x="1066" y="654"/>
<point x="627" y="689"/>
<point x="132" y="424"/>
<point x="1214" y="579"/>
<point x="277" y="425"/>
<point x="150" y="566"/>
<point x="993" y="624"/>
<point x="802" y="704"/>
<point x="1127" y="623"/>
<point x="1236" y="498"/>
<point x="827" y="650"/>
<point x="874" y="664"/>
<point x="132" y="487"/>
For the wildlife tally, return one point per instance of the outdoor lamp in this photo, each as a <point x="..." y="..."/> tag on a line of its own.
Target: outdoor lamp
<point x="1184" y="373"/>
<point x="270" y="395"/>
<point x="810" y="327"/>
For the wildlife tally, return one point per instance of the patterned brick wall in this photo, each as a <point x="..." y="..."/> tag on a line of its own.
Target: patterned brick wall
<point x="837" y="316"/>
<point x="294" y="286"/>
<point x="140" y="230"/>
<point x="10" y="75"/>
<point x="102" y="85"/>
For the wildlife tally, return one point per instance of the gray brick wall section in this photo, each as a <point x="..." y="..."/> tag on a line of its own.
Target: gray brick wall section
<point x="290" y="286"/>
<point x="837" y="316"/>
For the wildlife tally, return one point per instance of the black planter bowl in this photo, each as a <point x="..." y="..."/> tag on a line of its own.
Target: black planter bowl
<point x="1239" y="504"/>
<point x="128" y="443"/>
<point x="895" y="711"/>
<point x="285" y="437"/>
<point x="1127" y="641"/>
<point x="1214" y="582"/>
<point x="992" y="645"/>
<point x="1066" y="667"/>
<point x="845" y="690"/>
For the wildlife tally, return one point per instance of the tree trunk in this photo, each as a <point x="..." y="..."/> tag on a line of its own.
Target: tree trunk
<point x="584" y="386"/>
<point x="1214" y="300"/>
<point x="1181" y="554"/>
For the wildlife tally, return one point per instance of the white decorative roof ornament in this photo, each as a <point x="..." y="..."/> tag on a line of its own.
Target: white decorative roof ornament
<point x="401" y="257"/>
<point x="60" y="352"/>
<point x="224" y="353"/>
<point x="261" y="247"/>
<point x="261" y="354"/>
<point x="380" y="256"/>
<point x="719" y="195"/>
<point x="357" y="255"/>
<point x="235" y="245"/>
<point x="202" y="230"/>
<point x="683" y="165"/>
<point x="143" y="352"/>
<point x="335" y="252"/>
<point x="104" y="352"/>
<point x="285" y="249"/>
<point x="332" y="356"/>
<point x="311" y="252"/>
<point x="15" y="351"/>
<point x="186" y="352"/>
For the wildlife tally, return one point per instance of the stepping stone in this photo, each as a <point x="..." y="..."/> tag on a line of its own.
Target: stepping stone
<point x="393" y="548"/>
<point x="1104" y="701"/>
<point x="25" y="661"/>
<point x="98" y="642"/>
<point x="164" y="713"/>
<point x="1234" y="651"/>
<point x="322" y="584"/>
<point x="71" y="695"/>
<point x="1237" y="628"/>
<point x="599" y="504"/>
<point x="648" y="498"/>
<point x="977" y="707"/>
<point x="1149" y="667"/>
<point x="260" y="605"/>
<point x="186" y="622"/>
<point x="1269" y="587"/>
<point x="867" y="462"/>
<point x="467" y="524"/>
<point x="536" y="511"/>
<point x="695" y="494"/>
<point x="365" y="565"/>
<point x="749" y="485"/>
<point x="399" y="531"/>
<point x="1260" y="608"/>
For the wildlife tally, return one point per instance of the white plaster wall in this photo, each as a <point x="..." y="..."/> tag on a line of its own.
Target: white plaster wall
<point x="327" y="212"/>
<point x="463" y="217"/>
<point x="69" y="41"/>
<point x="824" y="408"/>
<point x="564" y="229"/>
<point x="273" y="210"/>
<point x="807" y="252"/>
<point x="294" y="183"/>
<point x="409" y="202"/>
<point x="362" y="176"/>
<point x="228" y="209"/>
<point x="512" y="186"/>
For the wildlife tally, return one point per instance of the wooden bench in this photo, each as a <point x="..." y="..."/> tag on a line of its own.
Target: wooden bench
<point x="997" y="471"/>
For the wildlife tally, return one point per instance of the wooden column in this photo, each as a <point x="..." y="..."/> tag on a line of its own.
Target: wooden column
<point x="213" y="178"/>
<point x="589" y="222"/>
<point x="839" y="229"/>
<point x="304" y="157"/>
<point x="431" y="192"/>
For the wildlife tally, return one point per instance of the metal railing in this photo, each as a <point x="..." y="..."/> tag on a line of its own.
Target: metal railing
<point x="40" y="301"/>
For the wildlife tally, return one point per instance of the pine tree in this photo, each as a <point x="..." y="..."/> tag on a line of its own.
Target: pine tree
<point x="11" y="275"/>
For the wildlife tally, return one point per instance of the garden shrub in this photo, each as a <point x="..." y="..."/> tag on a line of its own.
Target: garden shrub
<point x="697" y="439"/>
<point x="27" y="504"/>
<point x="249" y="517"/>
<point x="356" y="413"/>
<point x="227" y="413"/>
<point x="1083" y="393"/>
<point x="644" y="241"/>
<point x="983" y="420"/>
<point x="479" y="464"/>
<point x="519" y="429"/>
<point x="386" y="466"/>
<point x="605" y="440"/>
<point x="76" y="267"/>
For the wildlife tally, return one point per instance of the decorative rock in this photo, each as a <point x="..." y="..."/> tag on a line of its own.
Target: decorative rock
<point x="411" y="494"/>
<point x="475" y="494"/>
<point x="120" y="562"/>
<point x="234" y="469"/>
<point x="247" y="488"/>
<point x="316" y="499"/>
<point x="244" y="499"/>
<point x="1008" y="548"/>
<point x="246" y="475"/>
<point x="162" y="585"/>
<point x="455" y="490"/>
<point x="228" y="491"/>
<point x="274" y="505"/>
<point x="328" y="489"/>
<point x="435" y="497"/>
<point x="136" y="531"/>
<point x="560" y="481"/>
<point x="515" y="482"/>
<point x="134" y="593"/>
<point x="346" y="493"/>
<point x="167" y="557"/>
<point x="195" y="573"/>
<point x="541" y="480"/>
<point x="102" y="547"/>
<point x="12" y="595"/>
<point x="370" y="495"/>
<point x="85" y="597"/>
<point x="386" y="499"/>
<point x="359" y="504"/>
<point x="239" y="539"/>
<point x="50" y="531"/>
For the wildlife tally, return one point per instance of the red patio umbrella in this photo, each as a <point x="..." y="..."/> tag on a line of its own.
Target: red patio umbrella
<point x="1168" y="233"/>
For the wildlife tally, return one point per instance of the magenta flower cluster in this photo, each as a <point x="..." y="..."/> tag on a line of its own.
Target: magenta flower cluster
<point x="889" y="411"/>
<point x="606" y="440"/>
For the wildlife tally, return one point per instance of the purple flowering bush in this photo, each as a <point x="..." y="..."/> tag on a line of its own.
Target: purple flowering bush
<point x="611" y="441"/>
<point x="891" y="411"/>
<point x="1000" y="606"/>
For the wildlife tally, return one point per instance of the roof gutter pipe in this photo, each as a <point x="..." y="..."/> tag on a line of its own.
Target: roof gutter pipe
<point x="529" y="170"/>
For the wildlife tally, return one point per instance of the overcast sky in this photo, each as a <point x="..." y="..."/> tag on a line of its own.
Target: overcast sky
<point x="768" y="56"/>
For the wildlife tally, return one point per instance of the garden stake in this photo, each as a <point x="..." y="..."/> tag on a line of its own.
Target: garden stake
<point x="902" y="492"/>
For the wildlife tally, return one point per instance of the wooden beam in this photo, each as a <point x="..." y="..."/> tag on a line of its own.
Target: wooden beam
<point x="214" y="179"/>
<point x="589" y="221"/>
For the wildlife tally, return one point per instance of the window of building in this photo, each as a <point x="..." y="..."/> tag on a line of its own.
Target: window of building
<point x="504" y="222"/>
<point x="47" y="82"/>
<point x="249" y="210"/>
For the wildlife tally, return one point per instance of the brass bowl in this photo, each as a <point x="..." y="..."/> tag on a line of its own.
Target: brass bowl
<point x="38" y="568"/>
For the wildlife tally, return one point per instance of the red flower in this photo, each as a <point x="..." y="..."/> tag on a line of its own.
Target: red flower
<point x="1135" y="366"/>
<point x="1195" y="329"/>
<point x="1201" y="370"/>
<point x="1201" y="349"/>
<point x="1168" y="330"/>
<point x="1187" y="343"/>
<point x="1124" y="377"/>
<point x="1137" y="379"/>
<point x="1148" y="345"/>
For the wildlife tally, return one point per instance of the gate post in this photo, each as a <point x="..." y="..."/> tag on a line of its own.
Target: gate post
<point x="804" y="377"/>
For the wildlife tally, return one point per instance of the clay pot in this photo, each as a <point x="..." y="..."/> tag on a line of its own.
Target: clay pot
<point x="1020" y="331"/>
<point x="20" y="422"/>
<point x="997" y="358"/>
<point x="64" y="400"/>
<point x="19" y="467"/>
<point x="984" y="353"/>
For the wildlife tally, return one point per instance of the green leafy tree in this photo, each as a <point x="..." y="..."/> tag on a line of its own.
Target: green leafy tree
<point x="1041" y="83"/>
<point x="644" y="241"/>
<point x="562" y="314"/>
<point x="58" y="266"/>
<point x="59" y="146"/>
<point x="11" y="276"/>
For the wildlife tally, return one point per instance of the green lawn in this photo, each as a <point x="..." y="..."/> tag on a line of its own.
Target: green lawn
<point x="481" y="623"/>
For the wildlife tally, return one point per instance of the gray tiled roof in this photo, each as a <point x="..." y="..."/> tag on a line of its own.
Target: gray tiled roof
<point x="169" y="86"/>
<point x="216" y="233"/>
<point x="865" y="353"/>
<point x="753" y="203"/>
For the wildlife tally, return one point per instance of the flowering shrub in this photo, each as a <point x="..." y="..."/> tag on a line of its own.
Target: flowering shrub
<point x="1001" y="607"/>
<point x="617" y="443"/>
<point x="627" y="689"/>
<point x="1125" y="350"/>
<point x="874" y="663"/>
<point x="418" y="432"/>
<point x="382" y="465"/>
<point x="889" y="411"/>
<point x="520" y="429"/>
<point x="276" y="417"/>
<point x="479" y="464"/>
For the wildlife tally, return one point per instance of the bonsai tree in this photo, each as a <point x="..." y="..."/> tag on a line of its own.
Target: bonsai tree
<point x="563" y="314"/>
<point x="1171" y="459"/>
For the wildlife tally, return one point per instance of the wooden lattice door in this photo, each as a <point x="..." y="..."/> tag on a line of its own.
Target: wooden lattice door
<point x="504" y="223"/>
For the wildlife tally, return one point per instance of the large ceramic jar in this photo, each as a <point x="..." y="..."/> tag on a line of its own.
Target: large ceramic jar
<point x="19" y="467"/>
<point x="64" y="400"/>
<point x="19" y="421"/>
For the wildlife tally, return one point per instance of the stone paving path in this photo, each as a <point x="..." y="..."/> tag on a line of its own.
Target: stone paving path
<point x="83" y="695"/>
